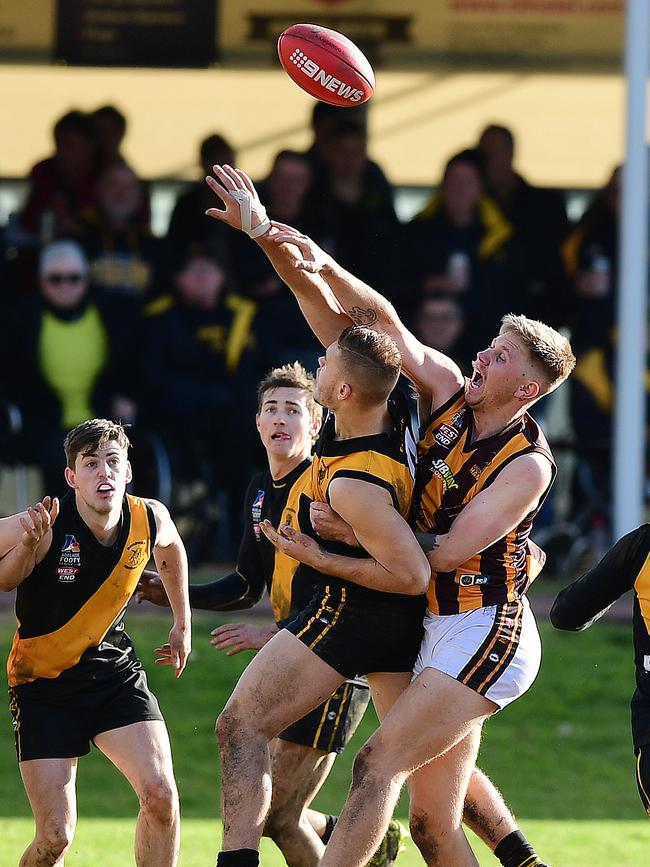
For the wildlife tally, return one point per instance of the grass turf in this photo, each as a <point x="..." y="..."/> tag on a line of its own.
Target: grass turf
<point x="562" y="757"/>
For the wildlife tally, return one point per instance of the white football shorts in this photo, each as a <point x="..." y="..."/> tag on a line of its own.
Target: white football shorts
<point x="496" y="651"/>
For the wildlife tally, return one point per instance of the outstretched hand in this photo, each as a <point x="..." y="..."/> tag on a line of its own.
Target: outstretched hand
<point x="150" y="589"/>
<point x="293" y="543"/>
<point x="176" y="651"/>
<point x="243" y="209"/>
<point x="235" y="637"/>
<point x="39" y="521"/>
<point x="314" y="259"/>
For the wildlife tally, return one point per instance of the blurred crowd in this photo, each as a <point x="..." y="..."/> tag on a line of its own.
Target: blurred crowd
<point x="171" y="334"/>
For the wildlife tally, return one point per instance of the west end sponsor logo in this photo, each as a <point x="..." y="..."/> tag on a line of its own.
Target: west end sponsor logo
<point x="445" y="435"/>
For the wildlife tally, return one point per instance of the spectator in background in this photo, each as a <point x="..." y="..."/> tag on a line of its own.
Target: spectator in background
<point x="122" y="252"/>
<point x="439" y="322"/>
<point x="351" y="210"/>
<point x="592" y="397"/>
<point x="591" y="259"/>
<point x="461" y="245"/>
<point x="110" y="127"/>
<point x="538" y="217"/>
<point x="71" y="359"/>
<point x="325" y="118"/>
<point x="63" y="185"/>
<point x="279" y="326"/>
<point x="188" y="224"/>
<point x="199" y="365"/>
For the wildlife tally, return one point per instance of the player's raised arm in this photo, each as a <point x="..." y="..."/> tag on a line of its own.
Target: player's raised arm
<point x="24" y="540"/>
<point x="243" y="210"/>
<point x="431" y="372"/>
<point x="171" y="562"/>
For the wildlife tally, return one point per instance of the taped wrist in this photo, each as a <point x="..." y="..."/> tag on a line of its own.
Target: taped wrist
<point x="245" y="202"/>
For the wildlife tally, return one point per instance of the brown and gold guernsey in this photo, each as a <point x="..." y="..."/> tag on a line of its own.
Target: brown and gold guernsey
<point x="70" y="608"/>
<point x="386" y="460"/>
<point x="452" y="470"/>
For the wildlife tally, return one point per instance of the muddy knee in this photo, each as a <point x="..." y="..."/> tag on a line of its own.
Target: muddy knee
<point x="159" y="799"/>
<point x="53" y="841"/>
<point x="425" y="837"/>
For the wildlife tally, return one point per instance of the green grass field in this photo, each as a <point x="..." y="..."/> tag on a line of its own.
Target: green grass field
<point x="562" y="756"/>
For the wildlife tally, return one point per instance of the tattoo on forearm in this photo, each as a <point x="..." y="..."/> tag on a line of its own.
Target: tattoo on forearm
<point x="427" y="541"/>
<point x="363" y="317"/>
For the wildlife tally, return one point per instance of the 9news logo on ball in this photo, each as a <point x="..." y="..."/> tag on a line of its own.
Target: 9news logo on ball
<point x="326" y="64"/>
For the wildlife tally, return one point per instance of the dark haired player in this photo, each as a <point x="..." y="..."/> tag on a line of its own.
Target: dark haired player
<point x="74" y="677"/>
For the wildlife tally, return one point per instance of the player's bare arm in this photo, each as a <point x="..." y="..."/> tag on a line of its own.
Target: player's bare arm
<point x="25" y="539"/>
<point x="431" y="372"/>
<point x="242" y="207"/>
<point x="585" y="600"/>
<point x="171" y="561"/>
<point x="492" y="513"/>
<point x="396" y="564"/>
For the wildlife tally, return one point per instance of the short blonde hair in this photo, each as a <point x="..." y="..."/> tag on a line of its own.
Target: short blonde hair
<point x="549" y="349"/>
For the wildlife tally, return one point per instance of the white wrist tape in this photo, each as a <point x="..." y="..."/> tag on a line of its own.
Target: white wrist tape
<point x="244" y="200"/>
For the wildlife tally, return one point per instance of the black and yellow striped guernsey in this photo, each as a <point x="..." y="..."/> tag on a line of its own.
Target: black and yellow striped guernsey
<point x="385" y="459"/>
<point x="258" y="562"/>
<point x="452" y="469"/>
<point x="625" y="567"/>
<point x="70" y="608"/>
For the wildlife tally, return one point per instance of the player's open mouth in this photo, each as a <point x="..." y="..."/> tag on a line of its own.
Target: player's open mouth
<point x="477" y="379"/>
<point x="105" y="489"/>
<point x="280" y="436"/>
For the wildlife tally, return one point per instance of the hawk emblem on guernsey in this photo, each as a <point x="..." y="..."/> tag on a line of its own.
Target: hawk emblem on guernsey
<point x="322" y="473"/>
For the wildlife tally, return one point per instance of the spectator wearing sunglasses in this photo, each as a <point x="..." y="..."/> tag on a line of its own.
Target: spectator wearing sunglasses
<point x="67" y="355"/>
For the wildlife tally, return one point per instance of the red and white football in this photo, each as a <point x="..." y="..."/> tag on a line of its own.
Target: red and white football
<point x="326" y="65"/>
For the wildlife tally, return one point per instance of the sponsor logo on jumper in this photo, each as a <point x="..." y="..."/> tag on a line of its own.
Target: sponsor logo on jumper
<point x="457" y="420"/>
<point x="445" y="435"/>
<point x="472" y="580"/>
<point x="323" y="471"/>
<point x="646" y="662"/>
<point x="494" y="657"/>
<point x="329" y="82"/>
<point x="137" y="552"/>
<point x="256" y="512"/>
<point x="66" y="574"/>
<point x="441" y="469"/>
<point x="70" y="545"/>
<point x="69" y="559"/>
<point x="476" y="470"/>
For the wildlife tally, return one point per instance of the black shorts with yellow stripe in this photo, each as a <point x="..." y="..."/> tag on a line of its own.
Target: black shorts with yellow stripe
<point x="58" y="718"/>
<point x="330" y="726"/>
<point x="358" y="631"/>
